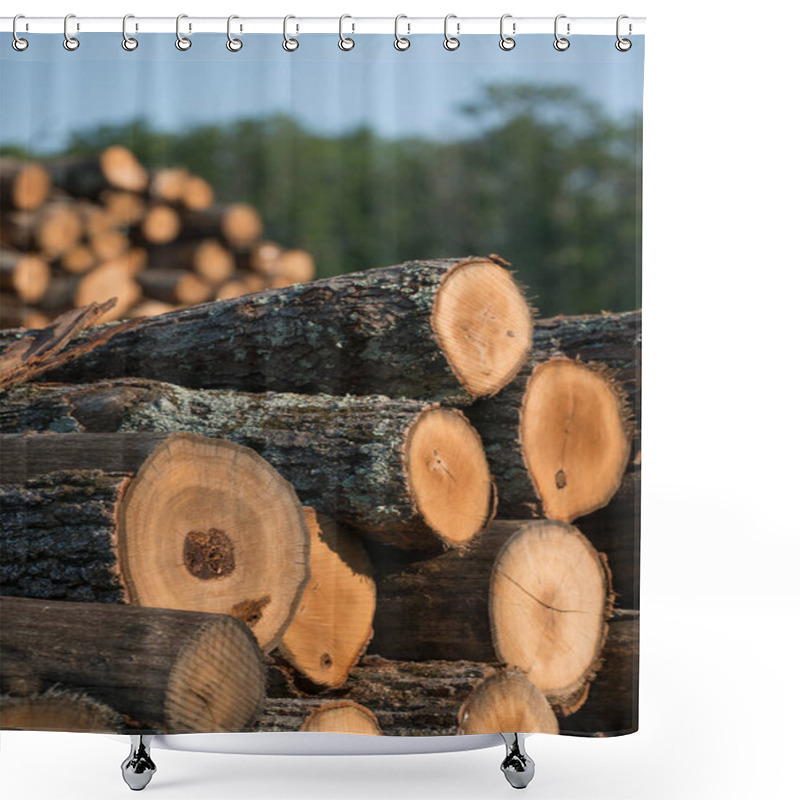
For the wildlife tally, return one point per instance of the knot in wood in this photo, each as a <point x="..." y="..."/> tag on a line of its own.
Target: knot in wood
<point x="208" y="554"/>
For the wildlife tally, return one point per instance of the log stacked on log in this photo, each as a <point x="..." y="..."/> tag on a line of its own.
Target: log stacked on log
<point x="163" y="671"/>
<point x="358" y="391"/>
<point x="64" y="221"/>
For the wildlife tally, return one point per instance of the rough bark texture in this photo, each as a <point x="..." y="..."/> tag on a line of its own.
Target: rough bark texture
<point x="57" y="537"/>
<point x="611" y="339"/>
<point x="408" y="698"/>
<point x="343" y="455"/>
<point x="163" y="670"/>
<point x="363" y="333"/>
<point x="612" y="707"/>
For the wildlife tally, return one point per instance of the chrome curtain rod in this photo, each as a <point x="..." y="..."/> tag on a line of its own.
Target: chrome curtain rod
<point x="516" y="26"/>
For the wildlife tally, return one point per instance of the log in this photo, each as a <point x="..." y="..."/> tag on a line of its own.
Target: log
<point x="342" y="716"/>
<point x="110" y="279"/>
<point x="400" y="471"/>
<point x="290" y="267"/>
<point x="116" y="167"/>
<point x="24" y="274"/>
<point x="149" y="308"/>
<point x="13" y="315"/>
<point x="96" y="219"/>
<point x="78" y="260"/>
<point x="197" y="193"/>
<point x="238" y="224"/>
<point x="512" y="597"/>
<point x="23" y="185"/>
<point x="110" y="244"/>
<point x="174" y="522"/>
<point x="263" y="258"/>
<point x="503" y="702"/>
<point x="332" y="625"/>
<point x="56" y="710"/>
<point x="175" y="286"/>
<point x="407" y="698"/>
<point x="124" y="208"/>
<point x="208" y="258"/>
<point x="612" y="707"/>
<point x="428" y="329"/>
<point x="53" y="229"/>
<point x="160" y="225"/>
<point x="165" y="671"/>
<point x="167" y="185"/>
<point x="612" y="340"/>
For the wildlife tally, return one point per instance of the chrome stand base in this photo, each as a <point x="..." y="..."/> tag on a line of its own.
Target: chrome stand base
<point x="517" y="766"/>
<point x="138" y="768"/>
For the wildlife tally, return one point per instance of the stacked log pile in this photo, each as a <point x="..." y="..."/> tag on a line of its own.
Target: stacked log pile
<point x="78" y="230"/>
<point x="420" y="505"/>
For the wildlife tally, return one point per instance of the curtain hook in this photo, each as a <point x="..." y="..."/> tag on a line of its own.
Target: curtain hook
<point x="507" y="42"/>
<point x="401" y="42"/>
<point x="451" y="42"/>
<point x="70" y="42"/>
<point x="181" y="42"/>
<point x="623" y="45"/>
<point x="345" y="42"/>
<point x="233" y="44"/>
<point x="18" y="43"/>
<point x="289" y="44"/>
<point x="561" y="43"/>
<point x="128" y="42"/>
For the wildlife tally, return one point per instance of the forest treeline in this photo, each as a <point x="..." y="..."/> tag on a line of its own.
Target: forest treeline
<point x="549" y="181"/>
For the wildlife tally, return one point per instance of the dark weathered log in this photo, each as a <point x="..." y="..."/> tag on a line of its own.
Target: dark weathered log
<point x="612" y="707"/>
<point x="610" y="339"/>
<point x="408" y="698"/>
<point x="23" y="185"/>
<point x="115" y="168"/>
<point x="421" y="329"/>
<point x="397" y="470"/>
<point x="165" y="671"/>
<point x="230" y="526"/>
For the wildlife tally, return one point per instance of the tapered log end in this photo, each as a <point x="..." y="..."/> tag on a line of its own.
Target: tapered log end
<point x="217" y="682"/>
<point x="448" y="475"/>
<point x="483" y="324"/>
<point x="333" y="622"/>
<point x="506" y="702"/>
<point x="575" y="437"/>
<point x="58" y="711"/>
<point x="208" y="525"/>
<point x="549" y="602"/>
<point x="342" y="716"/>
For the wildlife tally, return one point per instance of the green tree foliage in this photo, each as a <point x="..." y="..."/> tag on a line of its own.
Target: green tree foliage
<point x="548" y="181"/>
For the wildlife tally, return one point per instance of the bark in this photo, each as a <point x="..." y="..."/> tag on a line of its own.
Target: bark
<point x="114" y="168"/>
<point x="345" y="456"/>
<point x="610" y="339"/>
<point x="363" y="333"/>
<point x="165" y="671"/>
<point x="53" y="229"/>
<point x="612" y="707"/>
<point x="408" y="698"/>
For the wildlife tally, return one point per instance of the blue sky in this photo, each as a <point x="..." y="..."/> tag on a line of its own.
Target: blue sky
<point x="46" y="92"/>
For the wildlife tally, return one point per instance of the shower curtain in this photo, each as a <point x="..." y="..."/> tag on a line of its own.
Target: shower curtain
<point x="320" y="383"/>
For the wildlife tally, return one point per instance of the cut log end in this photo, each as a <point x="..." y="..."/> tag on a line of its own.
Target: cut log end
<point x="343" y="716"/>
<point x="217" y="682"/>
<point x="333" y="622"/>
<point x="483" y="325"/>
<point x="111" y="279"/>
<point x="29" y="186"/>
<point x="575" y="437"/>
<point x="161" y="224"/>
<point x="241" y="225"/>
<point x="122" y="169"/>
<point x="26" y="274"/>
<point x="448" y="475"/>
<point x="504" y="702"/>
<point x="58" y="711"/>
<point x="226" y="531"/>
<point x="549" y="603"/>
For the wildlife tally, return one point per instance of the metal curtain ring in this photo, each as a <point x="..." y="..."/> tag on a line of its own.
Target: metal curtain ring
<point x="401" y="42"/>
<point x="623" y="45"/>
<point x="289" y="44"/>
<point x="233" y="44"/>
<point x="507" y="42"/>
<point x="181" y="42"/>
<point x="128" y="42"/>
<point x="345" y="42"/>
<point x="70" y="42"/>
<point x="561" y="43"/>
<point x="18" y="43"/>
<point x="451" y="42"/>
